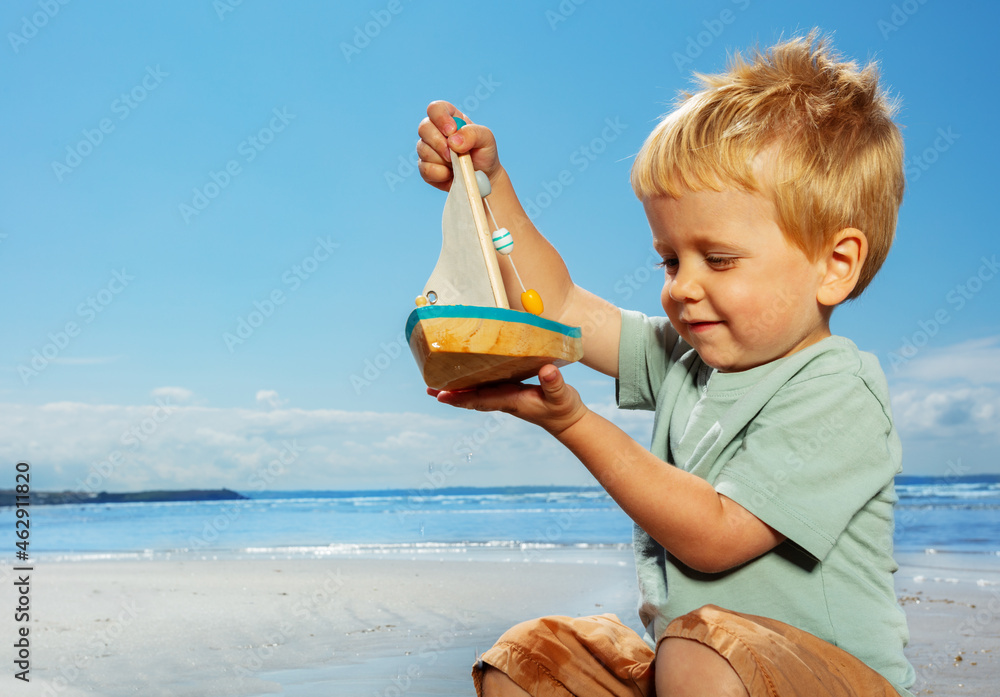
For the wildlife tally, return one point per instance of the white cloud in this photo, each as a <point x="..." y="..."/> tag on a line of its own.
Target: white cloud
<point x="174" y="394"/>
<point x="171" y="445"/>
<point x="948" y="413"/>
<point x="975" y="362"/>
<point x="270" y="398"/>
<point x="946" y="403"/>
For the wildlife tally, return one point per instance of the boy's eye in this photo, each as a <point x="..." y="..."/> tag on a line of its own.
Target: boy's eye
<point x="668" y="263"/>
<point x="721" y="262"/>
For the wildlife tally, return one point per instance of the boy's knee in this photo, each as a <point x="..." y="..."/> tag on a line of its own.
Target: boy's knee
<point x="498" y="684"/>
<point x="688" y="668"/>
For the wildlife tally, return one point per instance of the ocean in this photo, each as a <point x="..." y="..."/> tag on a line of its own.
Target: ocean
<point x="954" y="514"/>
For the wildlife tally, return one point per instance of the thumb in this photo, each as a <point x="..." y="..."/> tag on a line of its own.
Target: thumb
<point x="552" y="383"/>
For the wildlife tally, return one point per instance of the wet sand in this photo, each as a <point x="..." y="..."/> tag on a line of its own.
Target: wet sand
<point x="394" y="625"/>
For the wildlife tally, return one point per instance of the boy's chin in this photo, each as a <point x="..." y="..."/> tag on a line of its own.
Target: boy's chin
<point x="730" y="363"/>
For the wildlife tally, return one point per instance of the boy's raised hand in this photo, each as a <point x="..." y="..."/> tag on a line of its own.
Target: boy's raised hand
<point x="552" y="404"/>
<point x="439" y="134"/>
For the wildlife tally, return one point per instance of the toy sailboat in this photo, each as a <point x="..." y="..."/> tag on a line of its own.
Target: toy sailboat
<point x="463" y="333"/>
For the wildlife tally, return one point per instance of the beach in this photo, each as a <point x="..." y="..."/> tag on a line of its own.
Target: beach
<point x="399" y="623"/>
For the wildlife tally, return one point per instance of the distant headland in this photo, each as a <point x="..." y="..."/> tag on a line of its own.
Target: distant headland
<point x="44" y="498"/>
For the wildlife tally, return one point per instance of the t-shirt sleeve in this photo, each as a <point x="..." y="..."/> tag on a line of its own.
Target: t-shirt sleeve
<point x="817" y="453"/>
<point x="645" y="351"/>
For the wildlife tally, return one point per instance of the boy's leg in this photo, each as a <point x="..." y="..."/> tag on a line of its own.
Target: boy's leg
<point x="770" y="658"/>
<point x="567" y="656"/>
<point x="497" y="684"/>
<point x="687" y="668"/>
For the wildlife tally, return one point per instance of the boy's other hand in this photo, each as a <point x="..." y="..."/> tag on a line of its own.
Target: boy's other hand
<point x="552" y="404"/>
<point x="439" y="135"/>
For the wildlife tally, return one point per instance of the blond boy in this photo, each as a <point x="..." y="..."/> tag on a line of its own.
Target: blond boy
<point x="763" y="509"/>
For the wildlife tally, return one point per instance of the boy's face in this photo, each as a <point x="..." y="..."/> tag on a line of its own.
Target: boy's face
<point x="735" y="288"/>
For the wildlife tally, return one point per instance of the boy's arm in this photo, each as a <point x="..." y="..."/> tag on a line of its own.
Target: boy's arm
<point x="700" y="527"/>
<point x="540" y="265"/>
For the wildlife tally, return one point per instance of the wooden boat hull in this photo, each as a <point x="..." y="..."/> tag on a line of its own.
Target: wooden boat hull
<point x="463" y="346"/>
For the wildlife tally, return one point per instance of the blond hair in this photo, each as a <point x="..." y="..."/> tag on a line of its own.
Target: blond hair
<point x="832" y="156"/>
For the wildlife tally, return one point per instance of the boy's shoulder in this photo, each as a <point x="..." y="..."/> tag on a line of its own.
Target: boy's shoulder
<point x="838" y="357"/>
<point x="833" y="376"/>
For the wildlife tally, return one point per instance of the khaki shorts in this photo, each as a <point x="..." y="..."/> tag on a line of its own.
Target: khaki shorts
<point x="566" y="656"/>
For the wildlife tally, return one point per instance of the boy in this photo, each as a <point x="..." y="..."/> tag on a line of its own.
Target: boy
<point x="763" y="509"/>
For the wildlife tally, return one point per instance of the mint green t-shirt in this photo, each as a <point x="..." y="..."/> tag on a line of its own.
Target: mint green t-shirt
<point x="807" y="444"/>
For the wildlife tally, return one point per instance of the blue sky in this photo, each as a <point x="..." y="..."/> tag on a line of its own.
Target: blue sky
<point x="211" y="231"/>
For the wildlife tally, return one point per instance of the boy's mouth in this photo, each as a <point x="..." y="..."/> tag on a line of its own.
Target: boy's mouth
<point x="701" y="326"/>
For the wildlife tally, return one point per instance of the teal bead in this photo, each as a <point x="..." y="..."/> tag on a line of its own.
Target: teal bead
<point x="503" y="242"/>
<point x="459" y="122"/>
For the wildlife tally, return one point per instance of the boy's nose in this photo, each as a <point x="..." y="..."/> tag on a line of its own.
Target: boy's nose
<point x="685" y="287"/>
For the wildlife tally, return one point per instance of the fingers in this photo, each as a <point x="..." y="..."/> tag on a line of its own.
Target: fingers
<point x="433" y="150"/>
<point x="479" y="142"/>
<point x="439" y="135"/>
<point x="433" y="169"/>
<point x="503" y="397"/>
<point x="553" y="405"/>
<point x="438" y="126"/>
<point x="442" y="114"/>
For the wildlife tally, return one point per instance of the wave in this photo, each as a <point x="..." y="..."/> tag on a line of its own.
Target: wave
<point x="534" y="551"/>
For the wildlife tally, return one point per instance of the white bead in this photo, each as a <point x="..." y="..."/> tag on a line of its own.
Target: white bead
<point x="484" y="183"/>
<point x="503" y="241"/>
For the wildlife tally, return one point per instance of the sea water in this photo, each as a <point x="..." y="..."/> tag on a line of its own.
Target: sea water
<point x="960" y="515"/>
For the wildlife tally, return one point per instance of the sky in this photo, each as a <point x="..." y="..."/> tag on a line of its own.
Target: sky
<point x="212" y="229"/>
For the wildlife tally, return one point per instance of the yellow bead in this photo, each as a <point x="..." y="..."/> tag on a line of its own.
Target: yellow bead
<point x="531" y="301"/>
<point x="421" y="301"/>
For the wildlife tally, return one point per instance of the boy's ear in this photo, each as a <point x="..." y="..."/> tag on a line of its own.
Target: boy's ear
<point x="841" y="266"/>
